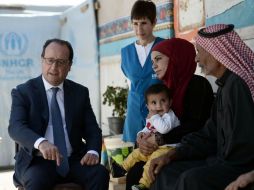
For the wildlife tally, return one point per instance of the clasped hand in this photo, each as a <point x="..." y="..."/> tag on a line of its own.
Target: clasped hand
<point x="145" y="147"/>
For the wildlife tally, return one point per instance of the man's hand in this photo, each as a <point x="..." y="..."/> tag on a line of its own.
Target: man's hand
<point x="157" y="163"/>
<point x="89" y="159"/>
<point x="50" y="152"/>
<point x="145" y="147"/>
<point x="242" y="181"/>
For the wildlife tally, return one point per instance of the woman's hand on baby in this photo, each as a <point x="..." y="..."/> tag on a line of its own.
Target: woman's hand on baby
<point x="145" y="147"/>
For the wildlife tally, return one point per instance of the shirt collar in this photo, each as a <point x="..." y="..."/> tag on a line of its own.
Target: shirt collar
<point x="148" y="45"/>
<point x="49" y="86"/>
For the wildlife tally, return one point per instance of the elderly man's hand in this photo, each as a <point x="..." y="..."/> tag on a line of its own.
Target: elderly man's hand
<point x="146" y="147"/>
<point x="89" y="159"/>
<point x="157" y="163"/>
<point x="242" y="181"/>
<point x="50" y="152"/>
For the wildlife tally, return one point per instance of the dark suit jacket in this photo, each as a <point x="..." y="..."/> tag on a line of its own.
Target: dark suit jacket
<point x="30" y="115"/>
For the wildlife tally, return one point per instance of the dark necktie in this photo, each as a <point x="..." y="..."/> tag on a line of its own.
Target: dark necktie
<point x="59" y="137"/>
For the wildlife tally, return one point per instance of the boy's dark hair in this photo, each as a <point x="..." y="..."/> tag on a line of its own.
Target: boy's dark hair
<point x="61" y="42"/>
<point x="144" y="9"/>
<point x="158" y="88"/>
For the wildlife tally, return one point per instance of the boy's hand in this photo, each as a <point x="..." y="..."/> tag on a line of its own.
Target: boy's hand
<point x="140" y="136"/>
<point x="151" y="113"/>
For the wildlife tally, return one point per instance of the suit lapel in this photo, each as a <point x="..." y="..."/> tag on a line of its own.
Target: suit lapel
<point x="67" y="105"/>
<point x="43" y="102"/>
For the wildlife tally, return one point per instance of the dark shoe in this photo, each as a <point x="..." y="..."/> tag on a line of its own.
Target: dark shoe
<point x="117" y="170"/>
<point x="138" y="187"/>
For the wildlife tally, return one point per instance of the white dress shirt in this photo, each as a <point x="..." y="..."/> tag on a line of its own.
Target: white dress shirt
<point x="49" y="131"/>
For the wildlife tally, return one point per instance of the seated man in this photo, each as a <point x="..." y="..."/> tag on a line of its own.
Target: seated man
<point x="212" y="157"/>
<point x="50" y="115"/>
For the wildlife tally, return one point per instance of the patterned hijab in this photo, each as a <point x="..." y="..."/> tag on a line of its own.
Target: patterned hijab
<point x="180" y="70"/>
<point x="226" y="46"/>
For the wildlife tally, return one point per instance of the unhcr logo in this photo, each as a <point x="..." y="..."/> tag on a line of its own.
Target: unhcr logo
<point x="13" y="44"/>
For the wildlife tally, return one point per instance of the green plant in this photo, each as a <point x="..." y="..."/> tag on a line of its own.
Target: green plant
<point x="116" y="97"/>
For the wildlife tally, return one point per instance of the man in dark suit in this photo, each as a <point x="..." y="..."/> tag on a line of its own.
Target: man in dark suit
<point x="53" y="122"/>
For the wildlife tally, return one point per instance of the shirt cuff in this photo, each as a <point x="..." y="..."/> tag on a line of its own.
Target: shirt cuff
<point x="38" y="142"/>
<point x="93" y="152"/>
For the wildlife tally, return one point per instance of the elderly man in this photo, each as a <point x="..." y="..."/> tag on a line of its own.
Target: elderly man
<point x="50" y="117"/>
<point x="217" y="154"/>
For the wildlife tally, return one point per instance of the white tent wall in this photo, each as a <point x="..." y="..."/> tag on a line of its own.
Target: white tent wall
<point x="21" y="40"/>
<point x="79" y="27"/>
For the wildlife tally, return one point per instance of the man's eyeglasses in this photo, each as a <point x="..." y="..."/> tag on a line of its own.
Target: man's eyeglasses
<point x="60" y="62"/>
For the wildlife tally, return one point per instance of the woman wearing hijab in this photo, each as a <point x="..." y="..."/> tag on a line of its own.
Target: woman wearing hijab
<point x="174" y="63"/>
<point x="224" y="148"/>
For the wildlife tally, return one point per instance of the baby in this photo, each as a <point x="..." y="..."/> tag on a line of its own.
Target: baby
<point x="160" y="120"/>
